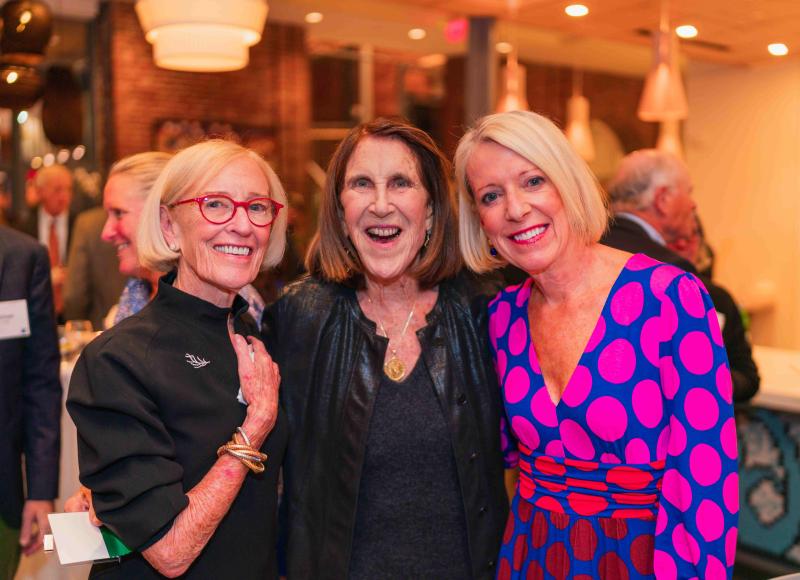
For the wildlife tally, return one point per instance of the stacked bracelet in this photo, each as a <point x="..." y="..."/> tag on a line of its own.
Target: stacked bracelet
<point x="244" y="452"/>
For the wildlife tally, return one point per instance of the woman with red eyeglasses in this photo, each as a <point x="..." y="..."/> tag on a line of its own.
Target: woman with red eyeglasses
<point x="180" y="437"/>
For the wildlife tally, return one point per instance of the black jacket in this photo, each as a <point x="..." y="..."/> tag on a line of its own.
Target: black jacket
<point x="627" y="235"/>
<point x="30" y="389"/>
<point x="330" y="360"/>
<point x="152" y="399"/>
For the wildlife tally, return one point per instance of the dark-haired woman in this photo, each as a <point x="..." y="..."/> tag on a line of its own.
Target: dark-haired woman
<point x="394" y="466"/>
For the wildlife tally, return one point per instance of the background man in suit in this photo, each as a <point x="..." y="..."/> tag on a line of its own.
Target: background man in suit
<point x="51" y="223"/>
<point x="94" y="283"/>
<point x="651" y="196"/>
<point x="30" y="399"/>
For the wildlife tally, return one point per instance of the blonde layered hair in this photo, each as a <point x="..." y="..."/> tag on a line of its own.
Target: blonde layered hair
<point x="188" y="172"/>
<point x="538" y="140"/>
<point x="143" y="168"/>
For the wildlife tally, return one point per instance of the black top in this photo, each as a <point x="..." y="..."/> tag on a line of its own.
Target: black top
<point x="153" y="398"/>
<point x="410" y="517"/>
<point x="331" y="358"/>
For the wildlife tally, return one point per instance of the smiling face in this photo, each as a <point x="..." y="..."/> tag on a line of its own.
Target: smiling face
<point x="217" y="260"/>
<point x="520" y="209"/>
<point x="386" y="207"/>
<point x="123" y="203"/>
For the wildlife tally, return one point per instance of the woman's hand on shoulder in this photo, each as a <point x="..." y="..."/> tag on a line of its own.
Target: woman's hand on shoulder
<point x="259" y="378"/>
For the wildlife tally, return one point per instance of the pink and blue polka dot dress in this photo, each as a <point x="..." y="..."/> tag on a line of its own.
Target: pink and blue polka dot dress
<point x="633" y="473"/>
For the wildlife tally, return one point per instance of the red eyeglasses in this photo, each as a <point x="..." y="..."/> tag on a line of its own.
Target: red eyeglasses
<point x="219" y="208"/>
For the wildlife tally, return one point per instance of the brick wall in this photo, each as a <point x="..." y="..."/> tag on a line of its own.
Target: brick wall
<point x="271" y="92"/>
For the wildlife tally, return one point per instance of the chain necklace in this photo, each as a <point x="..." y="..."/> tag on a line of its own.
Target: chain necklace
<point x="394" y="368"/>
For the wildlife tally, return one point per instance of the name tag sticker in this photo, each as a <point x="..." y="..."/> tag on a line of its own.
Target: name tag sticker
<point x="14" y="319"/>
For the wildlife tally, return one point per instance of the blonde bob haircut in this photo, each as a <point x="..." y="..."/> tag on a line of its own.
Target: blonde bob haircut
<point x="333" y="257"/>
<point x="142" y="168"/>
<point x="538" y="140"/>
<point x="185" y="176"/>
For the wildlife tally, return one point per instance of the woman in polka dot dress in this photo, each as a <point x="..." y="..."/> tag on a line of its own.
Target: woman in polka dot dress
<point x="615" y="380"/>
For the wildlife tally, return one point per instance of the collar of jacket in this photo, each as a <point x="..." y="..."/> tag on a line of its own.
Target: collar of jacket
<point x="175" y="300"/>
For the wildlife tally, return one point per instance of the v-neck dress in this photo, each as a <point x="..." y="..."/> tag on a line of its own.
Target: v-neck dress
<point x="633" y="473"/>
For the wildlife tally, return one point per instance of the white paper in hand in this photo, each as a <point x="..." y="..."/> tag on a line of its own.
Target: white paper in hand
<point x="77" y="540"/>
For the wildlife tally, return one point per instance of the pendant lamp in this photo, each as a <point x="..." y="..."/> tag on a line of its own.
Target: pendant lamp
<point x="669" y="138"/>
<point x="578" y="131"/>
<point x="663" y="97"/>
<point x="202" y="35"/>
<point x="514" y="96"/>
<point x="26" y="30"/>
<point x="20" y="86"/>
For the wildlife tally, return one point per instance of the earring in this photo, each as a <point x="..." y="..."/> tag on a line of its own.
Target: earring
<point x="492" y="251"/>
<point x="174" y="247"/>
<point x="350" y="254"/>
<point x="427" y="238"/>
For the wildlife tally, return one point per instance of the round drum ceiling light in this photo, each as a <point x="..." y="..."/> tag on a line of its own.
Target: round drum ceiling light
<point x="417" y="33"/>
<point x="686" y="31"/>
<point x="314" y="17"/>
<point x="202" y="35"/>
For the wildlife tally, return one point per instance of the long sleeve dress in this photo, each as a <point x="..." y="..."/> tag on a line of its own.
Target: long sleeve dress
<point x="633" y="473"/>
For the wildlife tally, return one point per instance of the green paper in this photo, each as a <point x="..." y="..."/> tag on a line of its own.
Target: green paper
<point x="116" y="548"/>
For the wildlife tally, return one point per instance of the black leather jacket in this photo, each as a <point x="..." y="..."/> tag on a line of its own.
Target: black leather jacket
<point x="330" y="360"/>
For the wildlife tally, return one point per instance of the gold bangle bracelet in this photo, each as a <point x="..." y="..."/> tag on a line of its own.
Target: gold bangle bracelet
<point x="252" y="458"/>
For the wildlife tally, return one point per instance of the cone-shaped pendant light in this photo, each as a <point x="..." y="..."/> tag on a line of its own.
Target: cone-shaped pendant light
<point x="579" y="132"/>
<point x="669" y="138"/>
<point x="515" y="93"/>
<point x="663" y="97"/>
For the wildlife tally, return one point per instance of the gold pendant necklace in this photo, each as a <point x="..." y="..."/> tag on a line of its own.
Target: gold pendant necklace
<point x="394" y="368"/>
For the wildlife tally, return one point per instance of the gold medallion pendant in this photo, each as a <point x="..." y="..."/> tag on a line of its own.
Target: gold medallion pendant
<point x="394" y="368"/>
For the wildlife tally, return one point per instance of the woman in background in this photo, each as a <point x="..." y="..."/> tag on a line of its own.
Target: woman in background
<point x="128" y="184"/>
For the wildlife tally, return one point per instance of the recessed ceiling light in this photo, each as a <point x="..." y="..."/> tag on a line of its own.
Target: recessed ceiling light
<point x="503" y="47"/>
<point x="686" y="31"/>
<point x="12" y="77"/>
<point x="314" y="17"/>
<point x="417" y="33"/>
<point x="576" y="10"/>
<point x="778" y="49"/>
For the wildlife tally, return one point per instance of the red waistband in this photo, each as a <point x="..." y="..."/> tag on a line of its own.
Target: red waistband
<point x="590" y="488"/>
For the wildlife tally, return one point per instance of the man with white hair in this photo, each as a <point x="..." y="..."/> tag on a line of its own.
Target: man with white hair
<point x="651" y="196"/>
<point x="51" y="223"/>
